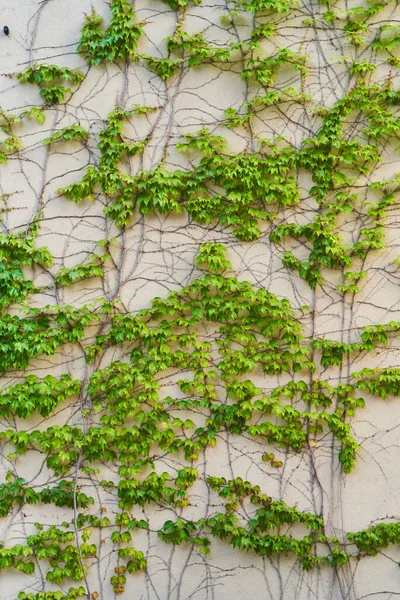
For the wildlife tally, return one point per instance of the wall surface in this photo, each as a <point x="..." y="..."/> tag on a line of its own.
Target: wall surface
<point x="222" y="379"/>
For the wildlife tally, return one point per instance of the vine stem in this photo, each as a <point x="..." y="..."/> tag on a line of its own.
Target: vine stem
<point x="82" y="564"/>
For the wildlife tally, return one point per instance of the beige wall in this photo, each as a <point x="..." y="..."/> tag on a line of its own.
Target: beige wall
<point x="155" y="255"/>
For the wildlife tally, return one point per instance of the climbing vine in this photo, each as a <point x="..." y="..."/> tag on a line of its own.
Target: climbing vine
<point x="212" y="400"/>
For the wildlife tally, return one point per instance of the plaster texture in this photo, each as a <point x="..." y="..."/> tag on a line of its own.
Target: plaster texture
<point x="154" y="256"/>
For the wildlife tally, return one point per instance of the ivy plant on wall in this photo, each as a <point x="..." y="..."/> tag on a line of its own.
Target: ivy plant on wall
<point x="198" y="310"/>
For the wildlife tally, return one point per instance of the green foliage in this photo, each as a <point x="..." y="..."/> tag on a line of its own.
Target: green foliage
<point x="360" y="69"/>
<point x="280" y="6"/>
<point x="70" y="133"/>
<point x="196" y="48"/>
<point x="8" y="120"/>
<point x="36" y="113"/>
<point x="250" y="182"/>
<point x="246" y="316"/>
<point x="67" y="276"/>
<point x="18" y="251"/>
<point x="37" y="395"/>
<point x="40" y="332"/>
<point x="41" y="74"/>
<point x="70" y="595"/>
<point x="373" y="539"/>
<point x="139" y="109"/>
<point x="332" y="353"/>
<point x="379" y="382"/>
<point x="57" y="547"/>
<point x="259" y="103"/>
<point x="259" y="535"/>
<point x="47" y="78"/>
<point x="63" y="494"/>
<point x="112" y="148"/>
<point x="117" y="42"/>
<point x="12" y="143"/>
<point x="328" y="251"/>
<point x="212" y="257"/>
<point x="177" y="4"/>
<point x="388" y="39"/>
<point x="265" y="70"/>
<point x="54" y="94"/>
<point x="164" y="67"/>
<point x="325" y="156"/>
<point x="356" y="20"/>
<point x="216" y="333"/>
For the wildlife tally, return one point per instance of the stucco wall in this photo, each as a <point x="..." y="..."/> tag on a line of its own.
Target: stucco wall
<point x="155" y="254"/>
